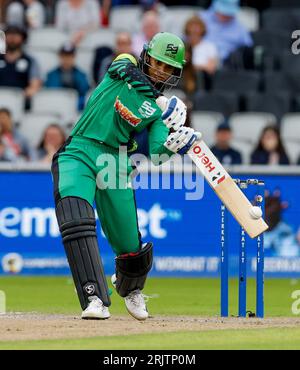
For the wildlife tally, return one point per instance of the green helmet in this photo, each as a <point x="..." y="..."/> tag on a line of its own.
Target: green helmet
<point x="169" y="49"/>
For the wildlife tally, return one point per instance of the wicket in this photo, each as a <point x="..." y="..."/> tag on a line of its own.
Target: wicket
<point x="242" y="299"/>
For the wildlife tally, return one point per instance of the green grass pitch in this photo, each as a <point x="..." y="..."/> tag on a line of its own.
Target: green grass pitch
<point x="171" y="296"/>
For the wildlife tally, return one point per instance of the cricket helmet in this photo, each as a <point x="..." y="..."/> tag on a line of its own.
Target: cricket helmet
<point x="169" y="49"/>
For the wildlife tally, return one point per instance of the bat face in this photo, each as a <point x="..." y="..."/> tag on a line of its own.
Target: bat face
<point x="208" y="164"/>
<point x="226" y="189"/>
<point x="239" y="206"/>
<point x="222" y="183"/>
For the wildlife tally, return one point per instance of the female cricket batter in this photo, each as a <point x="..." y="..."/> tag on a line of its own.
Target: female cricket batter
<point x="123" y="104"/>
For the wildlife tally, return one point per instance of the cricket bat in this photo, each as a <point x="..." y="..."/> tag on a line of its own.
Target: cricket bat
<point x="223" y="185"/>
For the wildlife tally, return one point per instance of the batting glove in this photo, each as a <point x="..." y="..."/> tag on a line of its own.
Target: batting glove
<point x="174" y="115"/>
<point x="181" y="140"/>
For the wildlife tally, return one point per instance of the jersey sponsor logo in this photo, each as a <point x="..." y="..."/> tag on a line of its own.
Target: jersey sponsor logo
<point x="208" y="164"/>
<point x="126" y="114"/>
<point x="146" y="110"/>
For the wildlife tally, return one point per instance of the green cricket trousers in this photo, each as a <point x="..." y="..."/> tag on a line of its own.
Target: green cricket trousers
<point x="93" y="171"/>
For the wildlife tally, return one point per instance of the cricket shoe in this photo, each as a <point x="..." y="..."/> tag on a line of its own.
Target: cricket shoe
<point x="136" y="305"/>
<point x="135" y="302"/>
<point x="95" y="310"/>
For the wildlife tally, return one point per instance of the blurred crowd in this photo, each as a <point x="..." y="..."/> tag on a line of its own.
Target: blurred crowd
<point x="231" y="67"/>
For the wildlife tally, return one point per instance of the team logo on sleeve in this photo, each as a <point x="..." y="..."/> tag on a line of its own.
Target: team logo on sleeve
<point x="126" y="114"/>
<point x="146" y="110"/>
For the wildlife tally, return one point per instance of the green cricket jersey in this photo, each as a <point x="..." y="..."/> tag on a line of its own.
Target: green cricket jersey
<point x="121" y="105"/>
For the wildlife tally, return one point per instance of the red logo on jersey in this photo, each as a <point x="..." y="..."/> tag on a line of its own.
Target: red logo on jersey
<point x="126" y="114"/>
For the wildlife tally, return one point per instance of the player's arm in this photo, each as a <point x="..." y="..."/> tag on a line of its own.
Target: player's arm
<point x="157" y="136"/>
<point x="124" y="67"/>
<point x="163" y="142"/>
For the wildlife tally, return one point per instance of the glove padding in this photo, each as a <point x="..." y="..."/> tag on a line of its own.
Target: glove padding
<point x="174" y="115"/>
<point x="181" y="140"/>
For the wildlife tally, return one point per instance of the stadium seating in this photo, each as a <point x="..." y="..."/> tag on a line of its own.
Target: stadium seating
<point x="268" y="46"/>
<point x="285" y="3"/>
<point x="290" y="133"/>
<point x="174" y="18"/>
<point x="273" y="40"/>
<point x="247" y="127"/>
<point x="285" y="19"/>
<point x="62" y="102"/>
<point x="206" y="123"/>
<point x="284" y="83"/>
<point x="46" y="59"/>
<point x="262" y="91"/>
<point x="277" y="103"/>
<point x="217" y="101"/>
<point x="12" y="99"/>
<point x="249" y="17"/>
<point x="293" y="150"/>
<point x="84" y="61"/>
<point x="290" y="127"/>
<point x="237" y="81"/>
<point x="290" y="63"/>
<point x="275" y="81"/>
<point x="125" y="18"/>
<point x="36" y="123"/>
<point x="48" y="38"/>
<point x="296" y="101"/>
<point x="245" y="148"/>
<point x="102" y="37"/>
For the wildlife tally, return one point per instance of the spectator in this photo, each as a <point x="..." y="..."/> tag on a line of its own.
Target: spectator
<point x="2" y="6"/>
<point x="77" y="17"/>
<point x="12" y="139"/>
<point x="123" y="46"/>
<point x="26" y="13"/>
<point x="6" y="155"/>
<point x="105" y="12"/>
<point x="18" y="69"/>
<point x="53" y="138"/>
<point x="270" y="149"/>
<point x="205" y="54"/>
<point x="100" y="54"/>
<point x="186" y="2"/>
<point x="149" y="4"/>
<point x="146" y="4"/>
<point x="150" y="27"/>
<point x="67" y="75"/>
<point x="222" y="149"/>
<point x="224" y="29"/>
<point x="188" y="83"/>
